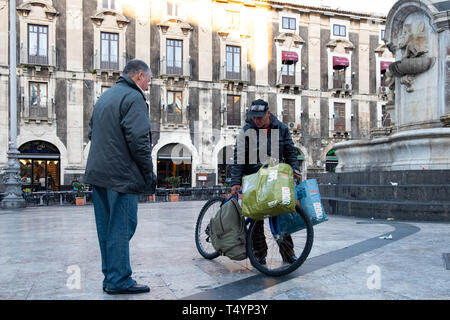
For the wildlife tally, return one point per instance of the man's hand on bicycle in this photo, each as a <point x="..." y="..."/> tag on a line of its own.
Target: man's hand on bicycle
<point x="297" y="175"/>
<point x="235" y="189"/>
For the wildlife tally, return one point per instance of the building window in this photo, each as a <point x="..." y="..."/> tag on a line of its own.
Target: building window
<point x="109" y="51"/>
<point x="234" y="18"/>
<point x="288" y="110"/>
<point x="288" y="23"/>
<point x="339" y="30"/>
<point x="339" y="117"/>
<point x="37" y="44"/>
<point x="338" y="78"/>
<point x="38" y="93"/>
<point x="288" y="73"/>
<point x="174" y="50"/>
<point x="233" y="62"/>
<point x="109" y="4"/>
<point x="233" y="110"/>
<point x="173" y="9"/>
<point x="174" y="107"/>
<point x="382" y="34"/>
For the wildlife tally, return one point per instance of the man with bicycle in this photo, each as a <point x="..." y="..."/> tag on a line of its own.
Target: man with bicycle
<point x="247" y="161"/>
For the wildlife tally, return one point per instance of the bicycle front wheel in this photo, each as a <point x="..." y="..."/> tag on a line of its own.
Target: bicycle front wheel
<point x="202" y="238"/>
<point x="278" y="255"/>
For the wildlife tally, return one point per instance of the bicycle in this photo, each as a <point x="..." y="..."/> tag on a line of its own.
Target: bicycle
<point x="274" y="262"/>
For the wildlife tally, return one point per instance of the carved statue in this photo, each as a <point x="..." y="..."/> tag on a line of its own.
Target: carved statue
<point x="415" y="59"/>
<point x="414" y="44"/>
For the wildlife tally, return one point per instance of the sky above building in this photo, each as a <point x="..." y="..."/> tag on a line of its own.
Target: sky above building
<point x="376" y="6"/>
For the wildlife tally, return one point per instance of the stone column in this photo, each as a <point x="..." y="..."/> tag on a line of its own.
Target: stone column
<point x="74" y="51"/>
<point x="4" y="104"/>
<point x="314" y="75"/>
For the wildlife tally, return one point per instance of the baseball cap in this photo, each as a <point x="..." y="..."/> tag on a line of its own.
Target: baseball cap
<point x="258" y="108"/>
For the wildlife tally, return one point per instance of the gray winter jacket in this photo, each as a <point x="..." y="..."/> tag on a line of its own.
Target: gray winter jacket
<point x="287" y="152"/>
<point x="119" y="130"/>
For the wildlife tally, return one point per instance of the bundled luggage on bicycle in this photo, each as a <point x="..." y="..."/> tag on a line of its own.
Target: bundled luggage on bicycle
<point x="276" y="244"/>
<point x="227" y="231"/>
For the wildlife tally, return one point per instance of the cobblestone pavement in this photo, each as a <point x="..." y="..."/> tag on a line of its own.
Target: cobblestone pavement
<point x="42" y="250"/>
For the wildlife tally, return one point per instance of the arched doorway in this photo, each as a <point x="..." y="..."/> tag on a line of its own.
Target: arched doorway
<point x="331" y="161"/>
<point x="40" y="166"/>
<point x="174" y="160"/>
<point x="225" y="160"/>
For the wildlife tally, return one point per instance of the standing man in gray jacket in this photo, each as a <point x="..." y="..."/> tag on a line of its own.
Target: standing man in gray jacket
<point x="119" y="167"/>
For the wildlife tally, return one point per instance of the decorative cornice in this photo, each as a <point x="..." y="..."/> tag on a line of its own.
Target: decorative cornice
<point x="334" y="42"/>
<point x="165" y="24"/>
<point x="25" y="8"/>
<point x="121" y="20"/>
<point x="296" y="39"/>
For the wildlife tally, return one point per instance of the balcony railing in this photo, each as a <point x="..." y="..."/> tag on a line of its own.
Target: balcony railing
<point x="38" y="60"/>
<point x="175" y="118"/>
<point x="39" y="111"/>
<point x="98" y="64"/>
<point x="175" y="68"/>
<point x="234" y="74"/>
<point x="293" y="80"/>
<point x="42" y="110"/>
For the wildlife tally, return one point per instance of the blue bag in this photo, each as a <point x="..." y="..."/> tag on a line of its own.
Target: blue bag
<point x="308" y="194"/>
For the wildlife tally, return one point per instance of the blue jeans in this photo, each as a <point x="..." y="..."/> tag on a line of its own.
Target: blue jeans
<point x="116" y="220"/>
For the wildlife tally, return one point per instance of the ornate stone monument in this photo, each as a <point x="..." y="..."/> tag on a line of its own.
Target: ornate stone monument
<point x="417" y="33"/>
<point x="406" y="171"/>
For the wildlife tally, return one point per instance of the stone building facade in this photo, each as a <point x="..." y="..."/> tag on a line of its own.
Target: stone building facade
<point x="320" y="69"/>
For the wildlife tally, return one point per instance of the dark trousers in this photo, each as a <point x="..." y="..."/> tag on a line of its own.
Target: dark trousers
<point x="116" y="220"/>
<point x="286" y="246"/>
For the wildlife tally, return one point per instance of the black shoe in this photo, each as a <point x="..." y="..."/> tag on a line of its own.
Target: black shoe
<point x="290" y="259"/>
<point x="135" y="288"/>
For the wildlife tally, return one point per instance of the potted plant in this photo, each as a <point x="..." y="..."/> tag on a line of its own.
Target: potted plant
<point x="175" y="183"/>
<point x="79" y="189"/>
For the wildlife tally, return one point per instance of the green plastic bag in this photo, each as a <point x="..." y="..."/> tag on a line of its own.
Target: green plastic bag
<point x="269" y="192"/>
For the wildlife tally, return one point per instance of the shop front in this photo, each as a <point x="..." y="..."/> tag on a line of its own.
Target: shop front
<point x="174" y="160"/>
<point x="39" y="166"/>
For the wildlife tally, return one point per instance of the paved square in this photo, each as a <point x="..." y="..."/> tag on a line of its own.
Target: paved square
<point x="44" y="249"/>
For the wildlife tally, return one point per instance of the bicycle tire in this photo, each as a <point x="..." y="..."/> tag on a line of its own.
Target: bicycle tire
<point x="198" y="230"/>
<point x="292" y="267"/>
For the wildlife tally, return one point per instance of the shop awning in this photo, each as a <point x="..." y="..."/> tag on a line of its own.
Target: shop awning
<point x="340" y="62"/>
<point x="174" y="152"/>
<point x="39" y="156"/>
<point x="289" y="56"/>
<point x="384" y="65"/>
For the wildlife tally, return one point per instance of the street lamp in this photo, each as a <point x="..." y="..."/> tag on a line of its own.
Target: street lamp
<point x="13" y="196"/>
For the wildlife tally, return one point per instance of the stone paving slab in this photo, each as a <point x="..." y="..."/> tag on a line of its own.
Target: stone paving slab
<point x="41" y="247"/>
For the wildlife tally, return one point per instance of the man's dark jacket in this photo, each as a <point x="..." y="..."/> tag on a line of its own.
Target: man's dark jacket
<point x="119" y="130"/>
<point x="287" y="152"/>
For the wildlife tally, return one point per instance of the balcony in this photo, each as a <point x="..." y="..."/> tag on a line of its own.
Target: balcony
<point x="341" y="89"/>
<point x="172" y="116"/>
<point x="234" y="79"/>
<point x="37" y="61"/>
<point x="289" y="81"/>
<point x="37" y="111"/>
<point x="175" y="68"/>
<point x="109" y="67"/>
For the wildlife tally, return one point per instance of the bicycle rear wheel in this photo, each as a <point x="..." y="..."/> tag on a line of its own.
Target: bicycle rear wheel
<point x="273" y="254"/>
<point x="202" y="239"/>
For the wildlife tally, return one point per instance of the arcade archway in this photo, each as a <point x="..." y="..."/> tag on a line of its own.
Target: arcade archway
<point x="174" y="160"/>
<point x="40" y="166"/>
